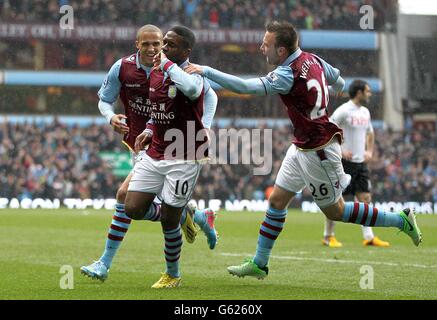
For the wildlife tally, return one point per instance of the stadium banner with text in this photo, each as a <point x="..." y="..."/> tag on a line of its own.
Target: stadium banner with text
<point x="120" y="162"/>
<point x="321" y="39"/>
<point x="214" y="204"/>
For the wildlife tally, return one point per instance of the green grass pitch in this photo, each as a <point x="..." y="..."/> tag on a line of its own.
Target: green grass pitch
<point x="35" y="244"/>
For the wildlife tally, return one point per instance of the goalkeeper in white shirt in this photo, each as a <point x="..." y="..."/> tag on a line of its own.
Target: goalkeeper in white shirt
<point x="357" y="150"/>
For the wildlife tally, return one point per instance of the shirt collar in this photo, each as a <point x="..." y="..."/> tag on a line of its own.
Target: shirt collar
<point x="292" y="57"/>
<point x="184" y="64"/>
<point x="354" y="104"/>
<point x="137" y="61"/>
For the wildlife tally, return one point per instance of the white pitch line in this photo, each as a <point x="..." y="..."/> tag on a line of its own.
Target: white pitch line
<point x="391" y="264"/>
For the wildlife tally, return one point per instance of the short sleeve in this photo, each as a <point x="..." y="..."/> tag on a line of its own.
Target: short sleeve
<point x="111" y="85"/>
<point x="331" y="73"/>
<point x="279" y="80"/>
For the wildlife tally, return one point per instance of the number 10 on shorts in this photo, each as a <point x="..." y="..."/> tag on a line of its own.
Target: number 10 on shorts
<point x="182" y="188"/>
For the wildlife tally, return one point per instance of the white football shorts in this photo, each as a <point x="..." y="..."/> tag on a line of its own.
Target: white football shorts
<point x="172" y="180"/>
<point x="136" y="156"/>
<point x="325" y="179"/>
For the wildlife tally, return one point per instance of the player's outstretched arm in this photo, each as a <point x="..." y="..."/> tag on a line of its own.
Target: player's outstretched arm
<point x="228" y="81"/>
<point x="279" y="81"/>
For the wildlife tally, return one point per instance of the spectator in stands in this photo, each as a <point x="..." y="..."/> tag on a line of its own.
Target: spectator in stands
<point x="58" y="161"/>
<point x="325" y="14"/>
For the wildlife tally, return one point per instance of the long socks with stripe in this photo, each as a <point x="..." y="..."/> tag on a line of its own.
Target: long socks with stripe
<point x="362" y="213"/>
<point x="269" y="231"/>
<point x="330" y="226"/>
<point x="119" y="226"/>
<point x="172" y="250"/>
<point x="154" y="213"/>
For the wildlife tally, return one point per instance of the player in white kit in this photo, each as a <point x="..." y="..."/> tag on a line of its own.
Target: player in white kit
<point x="357" y="150"/>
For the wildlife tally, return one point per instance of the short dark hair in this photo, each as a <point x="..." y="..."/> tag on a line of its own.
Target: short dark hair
<point x="355" y="86"/>
<point x="148" y="28"/>
<point x="286" y="34"/>
<point x="188" y="36"/>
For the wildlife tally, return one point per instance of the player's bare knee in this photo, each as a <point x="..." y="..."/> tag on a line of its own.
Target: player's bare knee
<point x="277" y="203"/>
<point x="133" y="212"/>
<point x="121" y="194"/>
<point x="366" y="198"/>
<point x="129" y="212"/>
<point x="334" y="212"/>
<point x="280" y="198"/>
<point x="333" y="215"/>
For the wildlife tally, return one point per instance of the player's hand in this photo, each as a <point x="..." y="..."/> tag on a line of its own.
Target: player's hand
<point x="142" y="141"/>
<point x="347" y="155"/>
<point x="367" y="156"/>
<point x="118" y="122"/>
<point x="193" y="68"/>
<point x="157" y="60"/>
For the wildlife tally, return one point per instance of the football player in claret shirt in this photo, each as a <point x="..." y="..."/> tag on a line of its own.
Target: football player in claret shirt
<point x="314" y="159"/>
<point x="177" y="106"/>
<point x="129" y="79"/>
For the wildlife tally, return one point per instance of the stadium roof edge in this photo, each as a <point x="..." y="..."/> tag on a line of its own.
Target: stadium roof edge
<point x="95" y="79"/>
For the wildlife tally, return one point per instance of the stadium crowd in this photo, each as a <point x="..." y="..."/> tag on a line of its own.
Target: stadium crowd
<point x="58" y="161"/>
<point x="235" y="14"/>
<point x="197" y="14"/>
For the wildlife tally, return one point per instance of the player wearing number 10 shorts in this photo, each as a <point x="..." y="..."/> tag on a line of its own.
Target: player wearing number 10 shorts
<point x="314" y="159"/>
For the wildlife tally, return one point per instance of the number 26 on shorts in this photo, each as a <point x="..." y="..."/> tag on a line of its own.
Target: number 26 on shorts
<point x="322" y="190"/>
